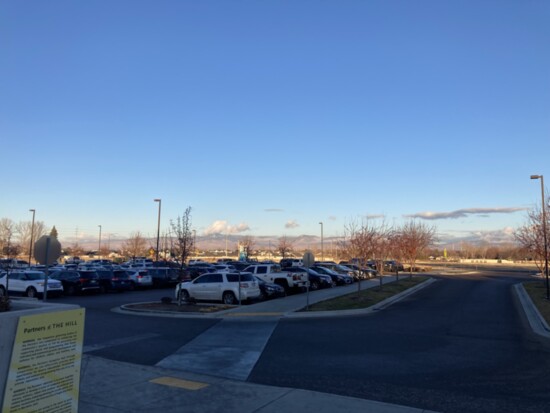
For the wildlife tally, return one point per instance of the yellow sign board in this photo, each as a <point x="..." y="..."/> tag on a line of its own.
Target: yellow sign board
<point x="44" y="374"/>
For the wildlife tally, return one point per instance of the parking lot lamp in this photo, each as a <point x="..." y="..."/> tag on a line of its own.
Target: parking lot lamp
<point x="544" y="233"/>
<point x="322" y="241"/>
<point x="158" y="228"/>
<point x="195" y="241"/>
<point x="99" y="246"/>
<point x="32" y="235"/>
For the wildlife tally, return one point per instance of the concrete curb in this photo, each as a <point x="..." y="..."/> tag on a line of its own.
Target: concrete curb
<point x="377" y="307"/>
<point x="536" y="320"/>
<point x="292" y="313"/>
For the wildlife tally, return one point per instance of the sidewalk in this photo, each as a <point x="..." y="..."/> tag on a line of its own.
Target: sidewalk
<point x="111" y="386"/>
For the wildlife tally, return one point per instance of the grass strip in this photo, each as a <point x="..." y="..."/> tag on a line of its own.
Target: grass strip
<point x="537" y="292"/>
<point x="368" y="297"/>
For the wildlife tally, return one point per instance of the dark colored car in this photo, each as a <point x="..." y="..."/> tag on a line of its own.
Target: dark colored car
<point x="164" y="276"/>
<point x="77" y="282"/>
<point x="269" y="290"/>
<point x="240" y="265"/>
<point x="339" y="279"/>
<point x="393" y="266"/>
<point x="114" y="280"/>
<point x="316" y="279"/>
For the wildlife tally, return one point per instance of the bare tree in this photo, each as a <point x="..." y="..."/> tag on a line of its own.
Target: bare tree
<point x="359" y="241"/>
<point x="531" y="236"/>
<point x="247" y="244"/>
<point x="284" y="247"/>
<point x="24" y="229"/>
<point x="7" y="230"/>
<point x="181" y="229"/>
<point x="412" y="239"/>
<point x="135" y="246"/>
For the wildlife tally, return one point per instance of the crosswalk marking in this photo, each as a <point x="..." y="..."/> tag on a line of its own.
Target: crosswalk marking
<point x="229" y="349"/>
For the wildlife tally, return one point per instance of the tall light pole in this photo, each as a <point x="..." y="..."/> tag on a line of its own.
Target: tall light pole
<point x="158" y="226"/>
<point x="32" y="235"/>
<point x="544" y="233"/>
<point x="322" y="249"/>
<point x="195" y="242"/>
<point x="99" y="245"/>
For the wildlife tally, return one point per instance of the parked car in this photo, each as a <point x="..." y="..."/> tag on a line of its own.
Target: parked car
<point x="164" y="276"/>
<point x="12" y="263"/>
<point x="241" y="265"/>
<point x="75" y="282"/>
<point x="291" y="262"/>
<point x="393" y="266"/>
<point x="341" y="269"/>
<point x="225" y="287"/>
<point x="339" y="279"/>
<point x="366" y="272"/>
<point x="224" y="268"/>
<point x="198" y="269"/>
<point x="316" y="279"/>
<point x="139" y="278"/>
<point x="114" y="280"/>
<point x="29" y="283"/>
<point x="269" y="290"/>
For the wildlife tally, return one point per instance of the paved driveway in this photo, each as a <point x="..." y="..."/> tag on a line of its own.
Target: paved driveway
<point x="459" y="345"/>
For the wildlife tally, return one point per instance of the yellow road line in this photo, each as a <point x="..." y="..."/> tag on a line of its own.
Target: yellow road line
<point x="182" y="384"/>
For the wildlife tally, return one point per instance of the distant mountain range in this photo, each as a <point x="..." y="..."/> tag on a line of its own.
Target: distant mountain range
<point x="265" y="242"/>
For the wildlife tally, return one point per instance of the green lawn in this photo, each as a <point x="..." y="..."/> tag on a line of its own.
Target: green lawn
<point x="537" y="292"/>
<point x="367" y="298"/>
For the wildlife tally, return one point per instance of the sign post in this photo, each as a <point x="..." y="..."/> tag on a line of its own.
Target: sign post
<point x="308" y="260"/>
<point x="46" y="251"/>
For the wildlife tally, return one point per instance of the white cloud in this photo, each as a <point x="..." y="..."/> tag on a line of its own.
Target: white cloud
<point x="463" y="213"/>
<point x="376" y="216"/>
<point x="222" y="227"/>
<point x="292" y="224"/>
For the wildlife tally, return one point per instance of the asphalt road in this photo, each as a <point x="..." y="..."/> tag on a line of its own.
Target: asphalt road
<point x="460" y="345"/>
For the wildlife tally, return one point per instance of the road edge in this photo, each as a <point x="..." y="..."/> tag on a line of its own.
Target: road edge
<point x="377" y="307"/>
<point x="534" y="317"/>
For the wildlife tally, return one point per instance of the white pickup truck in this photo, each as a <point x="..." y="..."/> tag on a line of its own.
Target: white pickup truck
<point x="272" y="273"/>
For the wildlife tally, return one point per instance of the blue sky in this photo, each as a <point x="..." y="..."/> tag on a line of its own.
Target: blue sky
<point x="267" y="117"/>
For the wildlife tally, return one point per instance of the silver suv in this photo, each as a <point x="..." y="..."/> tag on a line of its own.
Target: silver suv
<point x="230" y="288"/>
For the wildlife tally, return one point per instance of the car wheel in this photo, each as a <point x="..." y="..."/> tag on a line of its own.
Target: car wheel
<point x="263" y="296"/>
<point x="184" y="295"/>
<point x="314" y="285"/>
<point x="31" y="292"/>
<point x="2" y="291"/>
<point x="229" y="298"/>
